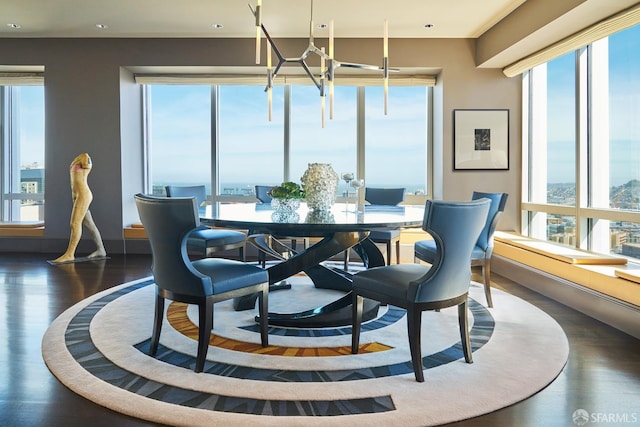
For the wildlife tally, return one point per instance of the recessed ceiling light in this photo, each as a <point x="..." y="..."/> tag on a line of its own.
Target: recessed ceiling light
<point x="216" y="26"/>
<point x="16" y="26"/>
<point x="429" y="25"/>
<point x="102" y="26"/>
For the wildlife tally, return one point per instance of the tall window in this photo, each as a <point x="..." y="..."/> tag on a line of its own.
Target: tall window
<point x="396" y="153"/>
<point x="583" y="149"/>
<point x="335" y="143"/>
<point x="220" y="136"/>
<point x="22" y="156"/>
<point x="179" y="136"/>
<point x="250" y="147"/>
<point x="619" y="129"/>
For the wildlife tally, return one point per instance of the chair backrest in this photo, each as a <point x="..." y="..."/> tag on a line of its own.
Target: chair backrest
<point x="498" y="203"/>
<point x="384" y="196"/>
<point x="197" y="191"/>
<point x="262" y="193"/>
<point x="167" y="222"/>
<point x="455" y="227"/>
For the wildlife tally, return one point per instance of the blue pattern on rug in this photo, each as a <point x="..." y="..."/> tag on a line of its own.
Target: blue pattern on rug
<point x="480" y="333"/>
<point x="80" y="345"/>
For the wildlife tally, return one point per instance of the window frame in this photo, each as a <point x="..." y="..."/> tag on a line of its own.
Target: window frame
<point x="360" y="156"/>
<point x="592" y="223"/>
<point x="10" y="178"/>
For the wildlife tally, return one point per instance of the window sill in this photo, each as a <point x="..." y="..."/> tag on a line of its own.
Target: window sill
<point x="600" y="273"/>
<point x="134" y="231"/>
<point x="22" y="229"/>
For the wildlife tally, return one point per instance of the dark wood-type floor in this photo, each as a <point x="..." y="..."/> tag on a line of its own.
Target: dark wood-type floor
<point x="602" y="375"/>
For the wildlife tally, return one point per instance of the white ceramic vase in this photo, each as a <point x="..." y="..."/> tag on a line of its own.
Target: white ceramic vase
<point x="320" y="183"/>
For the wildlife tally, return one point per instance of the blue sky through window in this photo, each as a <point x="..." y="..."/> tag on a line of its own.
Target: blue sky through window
<point x="624" y="111"/>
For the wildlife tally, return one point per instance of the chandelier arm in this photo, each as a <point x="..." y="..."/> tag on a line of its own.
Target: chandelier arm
<point x="339" y="64"/>
<point x="309" y="73"/>
<point x="359" y="66"/>
<point x="274" y="74"/>
<point x="273" y="44"/>
<point x="314" y="49"/>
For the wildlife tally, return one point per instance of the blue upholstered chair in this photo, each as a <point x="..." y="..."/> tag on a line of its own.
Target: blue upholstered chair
<point x="168" y="223"/>
<point x="455" y="227"/>
<point x="390" y="237"/>
<point x="425" y="250"/>
<point x="206" y="240"/>
<point x="262" y="193"/>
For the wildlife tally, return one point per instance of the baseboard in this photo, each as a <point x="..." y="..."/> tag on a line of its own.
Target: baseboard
<point x="611" y="311"/>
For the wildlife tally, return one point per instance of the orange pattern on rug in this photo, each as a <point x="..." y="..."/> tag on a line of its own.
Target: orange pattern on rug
<point x="178" y="319"/>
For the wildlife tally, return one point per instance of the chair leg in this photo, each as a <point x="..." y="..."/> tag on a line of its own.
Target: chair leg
<point x="157" y="325"/>
<point x="241" y="254"/>
<point x="389" y="253"/>
<point x="414" y="321"/>
<point x="486" y="277"/>
<point x="398" y="251"/>
<point x="263" y="310"/>
<point x="262" y="259"/>
<point x="463" y="322"/>
<point x="205" y="326"/>
<point x="356" y="321"/>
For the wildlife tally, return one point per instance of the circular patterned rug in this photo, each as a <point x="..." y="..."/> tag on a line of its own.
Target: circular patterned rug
<point x="98" y="347"/>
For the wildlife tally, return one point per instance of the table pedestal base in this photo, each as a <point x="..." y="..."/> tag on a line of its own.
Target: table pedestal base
<point x="336" y="313"/>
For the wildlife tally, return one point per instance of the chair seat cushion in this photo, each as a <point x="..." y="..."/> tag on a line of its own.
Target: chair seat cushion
<point x="228" y="275"/>
<point x="206" y="238"/>
<point x="384" y="234"/>
<point x="393" y="281"/>
<point x="425" y="250"/>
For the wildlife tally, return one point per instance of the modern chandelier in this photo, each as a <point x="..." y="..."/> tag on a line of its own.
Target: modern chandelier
<point x="328" y="63"/>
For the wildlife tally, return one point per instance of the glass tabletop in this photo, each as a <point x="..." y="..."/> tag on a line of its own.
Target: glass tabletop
<point x="342" y="217"/>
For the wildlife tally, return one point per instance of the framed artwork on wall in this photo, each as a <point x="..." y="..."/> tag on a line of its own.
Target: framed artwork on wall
<point x="481" y="139"/>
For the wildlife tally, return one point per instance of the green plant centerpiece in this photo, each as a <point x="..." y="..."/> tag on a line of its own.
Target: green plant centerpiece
<point x="286" y="196"/>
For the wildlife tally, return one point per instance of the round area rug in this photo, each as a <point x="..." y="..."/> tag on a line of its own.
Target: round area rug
<point x="308" y="377"/>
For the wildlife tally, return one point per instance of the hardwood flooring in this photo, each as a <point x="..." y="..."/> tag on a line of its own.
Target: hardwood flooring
<point x="602" y="375"/>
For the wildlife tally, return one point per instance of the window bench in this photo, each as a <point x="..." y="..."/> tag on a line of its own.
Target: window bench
<point x="22" y="229"/>
<point x="135" y="231"/>
<point x="601" y="286"/>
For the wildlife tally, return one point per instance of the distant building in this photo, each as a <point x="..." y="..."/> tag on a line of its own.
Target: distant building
<point x="31" y="182"/>
<point x="631" y="250"/>
<point x="617" y="239"/>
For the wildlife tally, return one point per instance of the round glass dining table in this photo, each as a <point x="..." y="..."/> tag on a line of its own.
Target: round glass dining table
<point x="339" y="229"/>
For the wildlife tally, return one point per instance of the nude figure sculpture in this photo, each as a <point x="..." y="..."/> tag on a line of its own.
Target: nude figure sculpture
<point x="80" y="215"/>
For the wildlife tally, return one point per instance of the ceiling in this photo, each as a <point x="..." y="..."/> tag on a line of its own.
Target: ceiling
<point x="282" y="18"/>
<point x="533" y="25"/>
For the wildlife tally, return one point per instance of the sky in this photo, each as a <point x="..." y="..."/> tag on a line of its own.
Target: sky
<point x="249" y="142"/>
<point x="624" y="108"/>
